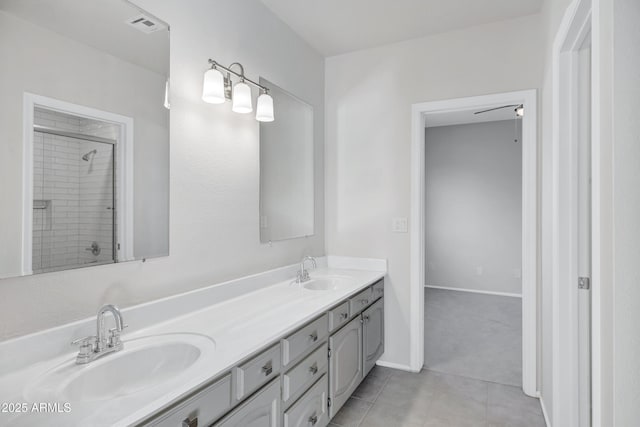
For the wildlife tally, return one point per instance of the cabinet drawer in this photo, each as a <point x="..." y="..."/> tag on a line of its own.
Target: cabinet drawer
<point x="311" y="409"/>
<point x="261" y="410"/>
<point x="305" y="373"/>
<point x="298" y="343"/>
<point x="203" y="408"/>
<point x="378" y="289"/>
<point x="252" y="374"/>
<point x="360" y="301"/>
<point x="339" y="316"/>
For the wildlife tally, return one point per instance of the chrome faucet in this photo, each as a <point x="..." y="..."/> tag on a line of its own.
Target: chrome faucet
<point x="303" y="274"/>
<point x="94" y="347"/>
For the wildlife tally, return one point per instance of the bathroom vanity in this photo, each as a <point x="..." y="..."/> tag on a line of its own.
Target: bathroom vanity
<point x="303" y="379"/>
<point x="261" y="350"/>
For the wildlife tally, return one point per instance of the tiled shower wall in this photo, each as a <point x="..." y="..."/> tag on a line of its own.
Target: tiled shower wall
<point x="75" y="196"/>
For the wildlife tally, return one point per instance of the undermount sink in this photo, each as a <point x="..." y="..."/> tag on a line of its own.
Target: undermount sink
<point x="328" y="283"/>
<point x="143" y="364"/>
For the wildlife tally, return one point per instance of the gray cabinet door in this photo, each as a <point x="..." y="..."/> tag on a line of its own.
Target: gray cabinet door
<point x="373" y="334"/>
<point x="345" y="364"/>
<point x="261" y="410"/>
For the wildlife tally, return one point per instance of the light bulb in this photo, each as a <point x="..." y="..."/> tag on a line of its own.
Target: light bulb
<point x="213" y="87"/>
<point x="264" y="109"/>
<point x="241" y="98"/>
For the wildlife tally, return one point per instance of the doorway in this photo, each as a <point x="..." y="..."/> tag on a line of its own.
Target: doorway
<point x="473" y="232"/>
<point x="77" y="186"/>
<point x="420" y="112"/>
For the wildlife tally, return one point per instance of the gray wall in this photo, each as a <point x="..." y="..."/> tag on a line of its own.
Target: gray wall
<point x="368" y="145"/>
<point x="626" y="208"/>
<point x="474" y="207"/>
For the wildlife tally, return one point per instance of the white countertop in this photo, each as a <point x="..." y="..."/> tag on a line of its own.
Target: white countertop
<point x="240" y="327"/>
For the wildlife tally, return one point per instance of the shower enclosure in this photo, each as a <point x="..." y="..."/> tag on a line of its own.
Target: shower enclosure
<point x="74" y="191"/>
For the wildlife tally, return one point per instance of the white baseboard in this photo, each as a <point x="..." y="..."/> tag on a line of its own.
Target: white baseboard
<point x="544" y="413"/>
<point x="476" y="291"/>
<point x="392" y="365"/>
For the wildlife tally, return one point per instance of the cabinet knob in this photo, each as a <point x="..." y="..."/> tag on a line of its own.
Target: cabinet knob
<point x="190" y="422"/>
<point x="313" y="369"/>
<point x="365" y="317"/>
<point x="313" y="419"/>
<point x="267" y="369"/>
<point x="313" y="337"/>
<point x="344" y="316"/>
<point x="364" y="301"/>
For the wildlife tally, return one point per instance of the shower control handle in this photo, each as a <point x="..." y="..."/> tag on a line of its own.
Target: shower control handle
<point x="95" y="248"/>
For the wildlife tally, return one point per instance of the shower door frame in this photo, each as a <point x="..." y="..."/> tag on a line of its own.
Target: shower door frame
<point x="124" y="171"/>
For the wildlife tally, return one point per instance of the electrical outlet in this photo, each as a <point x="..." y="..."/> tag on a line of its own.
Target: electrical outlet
<point x="399" y="225"/>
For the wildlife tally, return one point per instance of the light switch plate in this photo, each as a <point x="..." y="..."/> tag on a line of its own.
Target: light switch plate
<point x="400" y="225"/>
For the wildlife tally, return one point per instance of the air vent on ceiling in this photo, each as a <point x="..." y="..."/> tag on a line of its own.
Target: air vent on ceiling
<point x="146" y="23"/>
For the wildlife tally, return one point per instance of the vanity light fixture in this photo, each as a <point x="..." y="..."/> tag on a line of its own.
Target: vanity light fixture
<point x="217" y="88"/>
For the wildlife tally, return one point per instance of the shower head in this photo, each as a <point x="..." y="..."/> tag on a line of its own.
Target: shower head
<point x="86" y="156"/>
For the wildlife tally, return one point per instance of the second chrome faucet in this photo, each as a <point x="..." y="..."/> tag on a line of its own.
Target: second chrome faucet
<point x="303" y="274"/>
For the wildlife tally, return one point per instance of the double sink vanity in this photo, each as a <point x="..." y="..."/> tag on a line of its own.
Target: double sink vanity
<point x="272" y="353"/>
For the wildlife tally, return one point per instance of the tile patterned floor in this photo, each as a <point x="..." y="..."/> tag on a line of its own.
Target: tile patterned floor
<point x="392" y="398"/>
<point x="473" y="335"/>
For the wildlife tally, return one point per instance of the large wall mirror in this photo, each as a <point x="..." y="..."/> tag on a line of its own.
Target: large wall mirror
<point x="286" y="169"/>
<point x="84" y="135"/>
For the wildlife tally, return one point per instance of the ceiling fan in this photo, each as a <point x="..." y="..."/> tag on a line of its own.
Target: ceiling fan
<point x="519" y="109"/>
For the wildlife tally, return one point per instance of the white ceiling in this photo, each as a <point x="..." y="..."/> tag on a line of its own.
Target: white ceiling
<point x="99" y="24"/>
<point x="464" y="117"/>
<point x="337" y="26"/>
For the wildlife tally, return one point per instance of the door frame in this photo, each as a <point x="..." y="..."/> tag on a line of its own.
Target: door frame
<point x="529" y="223"/>
<point x="124" y="214"/>
<point x="574" y="29"/>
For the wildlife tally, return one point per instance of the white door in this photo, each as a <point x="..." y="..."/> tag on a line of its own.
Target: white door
<point x="584" y="230"/>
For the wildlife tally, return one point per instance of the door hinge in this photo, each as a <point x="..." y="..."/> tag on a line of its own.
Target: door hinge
<point x="584" y="283"/>
<point x="329" y="401"/>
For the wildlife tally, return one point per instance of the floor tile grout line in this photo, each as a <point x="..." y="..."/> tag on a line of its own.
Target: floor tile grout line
<point x="472" y="378"/>
<point x="374" y="400"/>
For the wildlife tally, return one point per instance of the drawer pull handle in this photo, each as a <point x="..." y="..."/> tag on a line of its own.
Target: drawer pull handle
<point x="313" y="369"/>
<point x="313" y="337"/>
<point x="267" y="369"/>
<point x="188" y="422"/>
<point x="313" y="419"/>
<point x="343" y="316"/>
